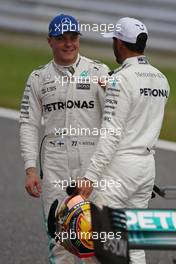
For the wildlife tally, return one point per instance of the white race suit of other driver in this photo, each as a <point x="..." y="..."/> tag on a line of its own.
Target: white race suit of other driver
<point x="133" y="115"/>
<point x="72" y="105"/>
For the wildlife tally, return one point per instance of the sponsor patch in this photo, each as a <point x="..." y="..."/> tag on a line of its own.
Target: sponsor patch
<point x="154" y="92"/>
<point x="83" y="86"/>
<point x="142" y="60"/>
<point x="48" y="89"/>
<point x="68" y="104"/>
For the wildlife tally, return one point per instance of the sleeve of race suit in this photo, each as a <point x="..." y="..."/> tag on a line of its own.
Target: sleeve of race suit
<point x="116" y="110"/>
<point x="30" y="121"/>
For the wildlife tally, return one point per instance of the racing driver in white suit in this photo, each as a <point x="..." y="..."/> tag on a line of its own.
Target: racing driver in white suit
<point x="133" y="115"/>
<point x="63" y="93"/>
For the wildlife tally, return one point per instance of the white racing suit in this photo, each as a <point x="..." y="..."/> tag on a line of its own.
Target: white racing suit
<point x="133" y="115"/>
<point x="69" y="99"/>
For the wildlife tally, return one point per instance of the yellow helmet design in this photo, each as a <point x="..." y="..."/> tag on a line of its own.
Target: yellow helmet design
<point x="73" y="224"/>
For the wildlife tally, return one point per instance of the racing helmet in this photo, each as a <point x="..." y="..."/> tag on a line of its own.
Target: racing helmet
<point x="73" y="223"/>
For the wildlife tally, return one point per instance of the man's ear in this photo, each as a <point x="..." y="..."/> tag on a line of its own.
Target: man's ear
<point x="120" y="43"/>
<point x="123" y="46"/>
<point x="49" y="41"/>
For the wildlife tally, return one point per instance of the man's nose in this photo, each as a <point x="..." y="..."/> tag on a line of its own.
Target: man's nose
<point x="68" y="43"/>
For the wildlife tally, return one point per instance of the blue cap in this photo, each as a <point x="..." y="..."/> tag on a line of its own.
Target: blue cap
<point x="62" y="23"/>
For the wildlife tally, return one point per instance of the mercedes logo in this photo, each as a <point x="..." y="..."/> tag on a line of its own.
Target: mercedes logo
<point x="66" y="20"/>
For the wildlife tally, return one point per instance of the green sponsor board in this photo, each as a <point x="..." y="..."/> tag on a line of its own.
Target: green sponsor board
<point x="151" y="220"/>
<point x="149" y="229"/>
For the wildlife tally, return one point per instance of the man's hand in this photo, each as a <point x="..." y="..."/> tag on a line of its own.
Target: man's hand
<point x="102" y="83"/>
<point x="85" y="187"/>
<point x="32" y="184"/>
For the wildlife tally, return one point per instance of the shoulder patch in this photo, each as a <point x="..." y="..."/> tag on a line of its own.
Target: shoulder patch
<point x="99" y="65"/>
<point x="97" y="62"/>
<point x="37" y="71"/>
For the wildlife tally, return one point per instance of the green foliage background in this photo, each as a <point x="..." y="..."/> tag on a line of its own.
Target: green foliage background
<point x="17" y="62"/>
